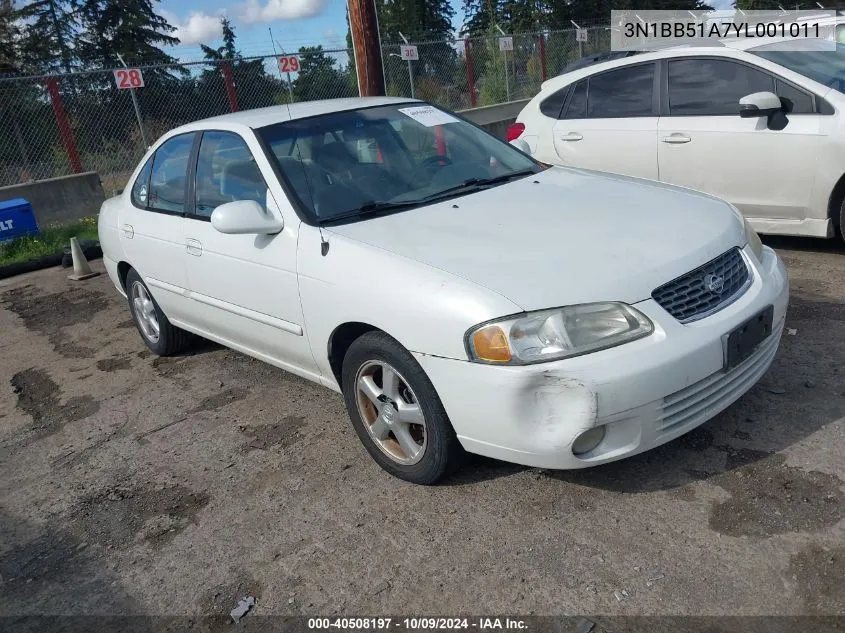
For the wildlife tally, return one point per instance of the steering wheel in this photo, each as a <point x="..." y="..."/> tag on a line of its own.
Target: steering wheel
<point x="430" y="164"/>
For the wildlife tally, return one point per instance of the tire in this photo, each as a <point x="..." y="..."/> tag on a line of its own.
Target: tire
<point x="409" y="395"/>
<point x="842" y="220"/>
<point x="170" y="339"/>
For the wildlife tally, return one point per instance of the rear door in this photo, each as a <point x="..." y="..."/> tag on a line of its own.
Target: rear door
<point x="609" y="122"/>
<point x="705" y="144"/>
<point x="152" y="229"/>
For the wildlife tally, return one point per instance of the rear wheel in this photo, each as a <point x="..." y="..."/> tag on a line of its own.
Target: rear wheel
<point x="396" y="411"/>
<point x="156" y="331"/>
<point x="842" y="220"/>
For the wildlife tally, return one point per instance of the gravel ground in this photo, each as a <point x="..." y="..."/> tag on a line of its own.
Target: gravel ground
<point x="144" y="485"/>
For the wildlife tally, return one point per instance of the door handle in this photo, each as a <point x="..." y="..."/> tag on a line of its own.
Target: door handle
<point x="128" y="231"/>
<point x="193" y="247"/>
<point x="676" y="138"/>
<point x="571" y="136"/>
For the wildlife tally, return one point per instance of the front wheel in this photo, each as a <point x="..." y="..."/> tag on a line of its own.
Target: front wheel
<point x="396" y="411"/>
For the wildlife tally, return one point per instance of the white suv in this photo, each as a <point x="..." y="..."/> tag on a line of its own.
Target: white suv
<point x="760" y="128"/>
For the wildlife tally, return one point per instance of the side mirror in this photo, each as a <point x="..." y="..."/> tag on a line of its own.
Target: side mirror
<point x="521" y="145"/>
<point x="245" y="217"/>
<point x="759" y="104"/>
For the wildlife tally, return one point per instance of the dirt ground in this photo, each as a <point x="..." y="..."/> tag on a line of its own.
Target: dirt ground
<point x="144" y="485"/>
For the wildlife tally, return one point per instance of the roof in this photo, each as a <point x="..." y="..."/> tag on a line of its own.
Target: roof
<point x="280" y="113"/>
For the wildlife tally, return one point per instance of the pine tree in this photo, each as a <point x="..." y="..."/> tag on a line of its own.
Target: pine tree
<point x="48" y="35"/>
<point x="130" y="29"/>
<point x="228" y="50"/>
<point x="415" y="19"/>
<point x="9" y="33"/>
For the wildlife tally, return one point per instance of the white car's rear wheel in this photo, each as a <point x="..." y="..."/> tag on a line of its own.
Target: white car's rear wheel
<point x="396" y="411"/>
<point x="156" y="331"/>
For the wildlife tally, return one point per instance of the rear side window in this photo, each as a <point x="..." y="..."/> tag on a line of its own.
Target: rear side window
<point x="170" y="175"/>
<point x="141" y="188"/>
<point x="799" y="101"/>
<point x="551" y="105"/>
<point x="712" y="87"/>
<point x="627" y="92"/>
<point x="577" y="106"/>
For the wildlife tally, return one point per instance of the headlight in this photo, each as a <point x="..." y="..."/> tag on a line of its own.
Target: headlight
<point x="754" y="241"/>
<point x="549" y="335"/>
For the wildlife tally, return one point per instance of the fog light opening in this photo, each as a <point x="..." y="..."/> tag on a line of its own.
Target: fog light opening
<point x="588" y="440"/>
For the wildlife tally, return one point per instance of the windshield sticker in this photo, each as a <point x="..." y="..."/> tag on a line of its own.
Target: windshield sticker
<point x="427" y="115"/>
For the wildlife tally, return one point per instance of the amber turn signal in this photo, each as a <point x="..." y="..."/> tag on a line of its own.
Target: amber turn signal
<point x="490" y="344"/>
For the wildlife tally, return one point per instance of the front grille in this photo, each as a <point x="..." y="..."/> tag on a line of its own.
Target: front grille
<point x="706" y="289"/>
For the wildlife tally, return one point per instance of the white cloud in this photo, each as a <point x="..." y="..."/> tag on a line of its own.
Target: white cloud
<point x="199" y="28"/>
<point x="254" y="11"/>
<point x="332" y="36"/>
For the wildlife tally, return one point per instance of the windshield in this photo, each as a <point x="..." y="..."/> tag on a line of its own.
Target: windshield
<point x="387" y="158"/>
<point x="824" y="65"/>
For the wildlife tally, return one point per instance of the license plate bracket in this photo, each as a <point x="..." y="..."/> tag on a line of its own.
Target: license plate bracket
<point x="743" y="340"/>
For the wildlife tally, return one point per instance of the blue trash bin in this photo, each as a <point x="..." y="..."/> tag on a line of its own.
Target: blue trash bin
<point x="16" y="219"/>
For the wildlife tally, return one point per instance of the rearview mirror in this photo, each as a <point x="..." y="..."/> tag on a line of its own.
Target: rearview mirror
<point x="245" y="217"/>
<point x="759" y="104"/>
<point x="521" y="145"/>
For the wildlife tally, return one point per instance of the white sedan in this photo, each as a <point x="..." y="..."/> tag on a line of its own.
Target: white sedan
<point x="758" y="123"/>
<point x="461" y="296"/>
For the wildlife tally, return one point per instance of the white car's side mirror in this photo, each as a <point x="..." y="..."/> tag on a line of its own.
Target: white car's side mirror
<point x="245" y="217"/>
<point x="521" y="145"/>
<point x="759" y="104"/>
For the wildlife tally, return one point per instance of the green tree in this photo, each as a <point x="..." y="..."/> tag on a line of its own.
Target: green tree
<point x="319" y="76"/>
<point x="228" y="50"/>
<point x="130" y="29"/>
<point x="48" y="33"/>
<point x="416" y="19"/>
<point x="9" y="34"/>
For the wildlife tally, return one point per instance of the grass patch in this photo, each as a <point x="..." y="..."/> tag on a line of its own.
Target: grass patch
<point x="49" y="241"/>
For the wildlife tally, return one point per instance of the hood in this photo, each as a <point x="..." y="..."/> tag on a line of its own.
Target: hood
<point x="562" y="237"/>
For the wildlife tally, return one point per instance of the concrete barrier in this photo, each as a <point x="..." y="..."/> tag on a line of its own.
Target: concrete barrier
<point x="60" y="200"/>
<point x="495" y="118"/>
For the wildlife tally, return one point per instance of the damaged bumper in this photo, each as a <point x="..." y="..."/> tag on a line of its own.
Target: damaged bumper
<point x="643" y="393"/>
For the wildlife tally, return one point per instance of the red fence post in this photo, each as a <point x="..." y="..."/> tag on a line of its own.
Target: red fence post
<point x="226" y="67"/>
<point x="473" y="98"/>
<point x="543" y="74"/>
<point x="65" y="130"/>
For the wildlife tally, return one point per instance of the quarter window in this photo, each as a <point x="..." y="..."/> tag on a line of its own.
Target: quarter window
<point x="226" y="172"/>
<point x="170" y="174"/>
<point x="712" y="87"/>
<point x="626" y="92"/>
<point x="551" y="105"/>
<point x="577" y="106"/>
<point x="141" y="188"/>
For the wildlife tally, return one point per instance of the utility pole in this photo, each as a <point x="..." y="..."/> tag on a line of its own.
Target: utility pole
<point x="366" y="47"/>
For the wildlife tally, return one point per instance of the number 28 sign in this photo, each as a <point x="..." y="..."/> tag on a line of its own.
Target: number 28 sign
<point x="289" y="64"/>
<point x="128" y="78"/>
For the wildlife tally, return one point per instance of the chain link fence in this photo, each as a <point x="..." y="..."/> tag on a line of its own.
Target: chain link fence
<point x="62" y="124"/>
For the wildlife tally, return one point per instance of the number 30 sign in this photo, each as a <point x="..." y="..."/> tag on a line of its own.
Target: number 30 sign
<point x="128" y="78"/>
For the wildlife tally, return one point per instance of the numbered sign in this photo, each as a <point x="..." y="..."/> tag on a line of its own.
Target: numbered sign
<point x="410" y="53"/>
<point x="581" y="35"/>
<point x="289" y="63"/>
<point x="505" y="43"/>
<point x="128" y="78"/>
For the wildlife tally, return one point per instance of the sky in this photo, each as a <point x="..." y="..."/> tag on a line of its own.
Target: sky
<point x="294" y="23"/>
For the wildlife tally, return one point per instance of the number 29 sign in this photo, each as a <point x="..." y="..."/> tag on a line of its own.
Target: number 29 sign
<point x="128" y="78"/>
<point x="289" y="64"/>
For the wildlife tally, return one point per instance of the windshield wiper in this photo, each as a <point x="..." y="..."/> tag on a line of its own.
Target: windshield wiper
<point x="477" y="184"/>
<point x="373" y="207"/>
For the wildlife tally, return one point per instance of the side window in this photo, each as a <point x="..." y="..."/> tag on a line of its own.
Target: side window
<point x="170" y="174"/>
<point x="626" y="92"/>
<point x="801" y="102"/>
<point x="141" y="188"/>
<point x="226" y="172"/>
<point x="551" y="105"/>
<point x="577" y="106"/>
<point x="712" y="87"/>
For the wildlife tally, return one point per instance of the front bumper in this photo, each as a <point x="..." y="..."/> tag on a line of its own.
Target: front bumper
<point x="646" y="393"/>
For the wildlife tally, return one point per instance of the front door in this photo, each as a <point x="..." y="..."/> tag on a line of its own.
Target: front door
<point x="244" y="288"/>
